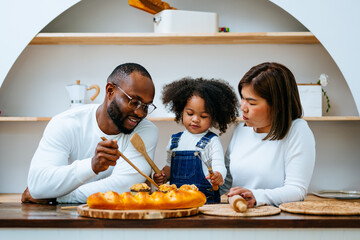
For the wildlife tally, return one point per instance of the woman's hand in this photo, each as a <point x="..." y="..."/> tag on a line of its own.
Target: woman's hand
<point x="216" y="179"/>
<point x="245" y="193"/>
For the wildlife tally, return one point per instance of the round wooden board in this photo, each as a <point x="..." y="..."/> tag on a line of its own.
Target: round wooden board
<point x="86" y="211"/>
<point x="322" y="207"/>
<point x="227" y="211"/>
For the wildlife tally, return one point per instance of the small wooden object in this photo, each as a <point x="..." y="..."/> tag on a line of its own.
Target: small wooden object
<point x="139" y="145"/>
<point x="68" y="207"/>
<point x="150" y="6"/>
<point x="238" y="203"/>
<point x="97" y="89"/>
<point x="127" y="160"/>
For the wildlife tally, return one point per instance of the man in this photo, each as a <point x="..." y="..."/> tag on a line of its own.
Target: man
<point x="72" y="162"/>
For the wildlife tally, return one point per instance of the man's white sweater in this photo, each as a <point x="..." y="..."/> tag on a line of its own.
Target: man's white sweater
<point x="61" y="166"/>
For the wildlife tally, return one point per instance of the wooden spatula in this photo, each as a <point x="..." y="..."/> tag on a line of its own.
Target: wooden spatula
<point x="139" y="145"/>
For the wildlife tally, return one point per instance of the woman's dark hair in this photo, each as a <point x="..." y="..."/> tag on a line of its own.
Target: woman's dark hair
<point x="276" y="84"/>
<point x="220" y="99"/>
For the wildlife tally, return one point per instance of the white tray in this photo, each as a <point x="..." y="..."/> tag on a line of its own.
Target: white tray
<point x="338" y="194"/>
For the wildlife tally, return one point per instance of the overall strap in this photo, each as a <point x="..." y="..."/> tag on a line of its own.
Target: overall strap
<point x="205" y="140"/>
<point x="175" y="138"/>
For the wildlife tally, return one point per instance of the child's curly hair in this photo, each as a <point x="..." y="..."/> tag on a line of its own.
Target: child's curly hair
<point x="220" y="99"/>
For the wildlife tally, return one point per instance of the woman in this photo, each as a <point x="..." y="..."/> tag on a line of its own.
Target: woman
<point x="271" y="157"/>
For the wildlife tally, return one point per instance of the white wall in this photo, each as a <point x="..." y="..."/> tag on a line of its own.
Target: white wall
<point x="337" y="25"/>
<point x="20" y="21"/>
<point x="35" y="86"/>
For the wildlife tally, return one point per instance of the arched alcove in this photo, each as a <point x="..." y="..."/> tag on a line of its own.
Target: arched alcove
<point x="35" y="83"/>
<point x="22" y="24"/>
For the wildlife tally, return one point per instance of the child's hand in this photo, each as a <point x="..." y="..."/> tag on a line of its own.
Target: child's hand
<point x="216" y="179"/>
<point x="160" y="178"/>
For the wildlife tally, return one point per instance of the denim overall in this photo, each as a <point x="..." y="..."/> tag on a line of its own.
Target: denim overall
<point x="186" y="168"/>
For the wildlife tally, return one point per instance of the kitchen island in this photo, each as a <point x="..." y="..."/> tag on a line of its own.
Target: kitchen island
<point x="45" y="216"/>
<point x="28" y="219"/>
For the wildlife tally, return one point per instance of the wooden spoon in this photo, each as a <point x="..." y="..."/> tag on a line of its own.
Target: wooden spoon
<point x="139" y="171"/>
<point x="139" y="145"/>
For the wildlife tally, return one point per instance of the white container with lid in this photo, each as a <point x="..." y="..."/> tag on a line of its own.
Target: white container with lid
<point x="179" y="21"/>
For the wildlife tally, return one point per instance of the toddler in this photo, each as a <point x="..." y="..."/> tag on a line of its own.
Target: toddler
<point x="199" y="104"/>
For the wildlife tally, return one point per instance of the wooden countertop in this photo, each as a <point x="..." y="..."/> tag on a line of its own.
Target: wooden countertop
<point x="15" y="214"/>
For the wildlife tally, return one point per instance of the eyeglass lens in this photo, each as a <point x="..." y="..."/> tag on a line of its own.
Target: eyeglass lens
<point x="136" y="104"/>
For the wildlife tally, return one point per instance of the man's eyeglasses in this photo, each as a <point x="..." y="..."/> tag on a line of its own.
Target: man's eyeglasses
<point x="136" y="104"/>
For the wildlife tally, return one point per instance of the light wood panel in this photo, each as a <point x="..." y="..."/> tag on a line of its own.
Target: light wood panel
<point x="333" y="118"/>
<point x="175" y="38"/>
<point x="10" y="197"/>
<point x="24" y="119"/>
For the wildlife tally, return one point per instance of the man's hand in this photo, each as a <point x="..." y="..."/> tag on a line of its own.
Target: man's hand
<point x="27" y="198"/>
<point x="106" y="155"/>
<point x="245" y="193"/>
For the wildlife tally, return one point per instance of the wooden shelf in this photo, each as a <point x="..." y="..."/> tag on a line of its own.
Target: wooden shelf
<point x="333" y="118"/>
<point x="169" y="119"/>
<point x="24" y="119"/>
<point x="175" y="38"/>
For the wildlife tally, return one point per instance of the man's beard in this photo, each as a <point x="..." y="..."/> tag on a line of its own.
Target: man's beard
<point x="117" y="117"/>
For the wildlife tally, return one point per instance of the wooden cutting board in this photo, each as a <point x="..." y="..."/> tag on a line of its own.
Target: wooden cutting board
<point x="227" y="211"/>
<point x="85" y="211"/>
<point x="322" y="207"/>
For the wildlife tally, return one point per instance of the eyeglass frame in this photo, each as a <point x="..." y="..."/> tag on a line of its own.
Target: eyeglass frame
<point x="140" y="104"/>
